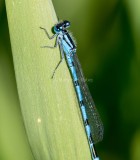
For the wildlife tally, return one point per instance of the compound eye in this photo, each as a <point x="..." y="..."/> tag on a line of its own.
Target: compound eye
<point x="57" y="28"/>
<point x="66" y="24"/>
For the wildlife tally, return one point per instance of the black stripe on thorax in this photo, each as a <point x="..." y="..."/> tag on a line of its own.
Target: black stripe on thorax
<point x="70" y="39"/>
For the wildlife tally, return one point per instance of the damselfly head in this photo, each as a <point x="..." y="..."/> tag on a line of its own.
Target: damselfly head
<point x="66" y="23"/>
<point x="61" y="26"/>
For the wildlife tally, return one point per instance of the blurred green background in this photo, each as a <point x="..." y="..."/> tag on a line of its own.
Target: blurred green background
<point x="108" y="40"/>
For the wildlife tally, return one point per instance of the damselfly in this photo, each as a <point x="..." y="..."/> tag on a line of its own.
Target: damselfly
<point x="92" y="122"/>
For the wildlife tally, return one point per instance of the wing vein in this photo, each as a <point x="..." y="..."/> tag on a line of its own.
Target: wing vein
<point x="92" y="113"/>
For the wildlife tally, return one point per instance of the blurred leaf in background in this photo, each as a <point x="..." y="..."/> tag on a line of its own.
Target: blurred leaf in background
<point x="108" y="39"/>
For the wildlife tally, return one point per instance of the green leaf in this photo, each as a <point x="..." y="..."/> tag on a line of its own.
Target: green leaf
<point x="49" y="106"/>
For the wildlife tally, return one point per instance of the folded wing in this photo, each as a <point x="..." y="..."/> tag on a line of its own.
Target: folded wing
<point x="92" y="113"/>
